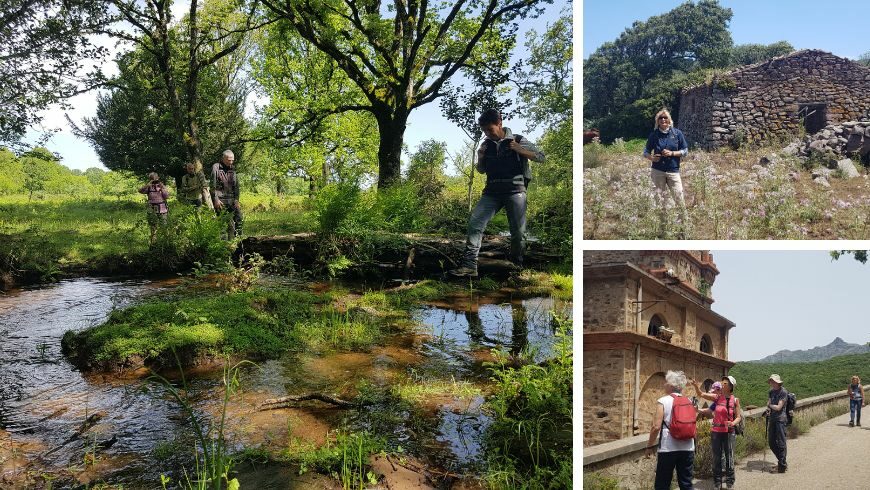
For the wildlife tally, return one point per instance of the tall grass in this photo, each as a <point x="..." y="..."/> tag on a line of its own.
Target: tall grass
<point x="212" y="458"/>
<point x="529" y="444"/>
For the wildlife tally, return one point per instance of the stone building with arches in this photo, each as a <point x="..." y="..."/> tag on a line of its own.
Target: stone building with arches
<point x="645" y="312"/>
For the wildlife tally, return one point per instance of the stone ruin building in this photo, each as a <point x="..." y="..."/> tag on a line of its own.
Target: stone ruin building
<point x="807" y="89"/>
<point x="644" y="313"/>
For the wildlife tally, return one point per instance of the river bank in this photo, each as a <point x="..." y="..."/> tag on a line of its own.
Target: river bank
<point x="423" y="380"/>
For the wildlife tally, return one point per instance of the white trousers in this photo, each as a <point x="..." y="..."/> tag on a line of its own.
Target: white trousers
<point x="668" y="182"/>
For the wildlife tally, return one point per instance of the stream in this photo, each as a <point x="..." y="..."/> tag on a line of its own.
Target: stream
<point x="44" y="400"/>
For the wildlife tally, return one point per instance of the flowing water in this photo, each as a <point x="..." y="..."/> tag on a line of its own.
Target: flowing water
<point x="44" y="400"/>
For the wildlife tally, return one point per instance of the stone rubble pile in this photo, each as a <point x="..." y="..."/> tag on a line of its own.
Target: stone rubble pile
<point x="835" y="142"/>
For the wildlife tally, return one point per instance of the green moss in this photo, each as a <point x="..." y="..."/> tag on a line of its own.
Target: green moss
<point x="256" y="324"/>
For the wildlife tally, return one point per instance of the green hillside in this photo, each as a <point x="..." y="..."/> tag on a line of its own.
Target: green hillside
<point x="805" y="379"/>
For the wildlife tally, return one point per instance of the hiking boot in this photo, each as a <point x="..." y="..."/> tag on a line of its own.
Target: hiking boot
<point x="781" y="469"/>
<point x="851" y="424"/>
<point x="463" y="272"/>
<point x="729" y="485"/>
<point x="858" y="424"/>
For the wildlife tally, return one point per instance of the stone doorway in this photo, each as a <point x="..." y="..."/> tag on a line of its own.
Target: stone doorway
<point x="652" y="390"/>
<point x="814" y="116"/>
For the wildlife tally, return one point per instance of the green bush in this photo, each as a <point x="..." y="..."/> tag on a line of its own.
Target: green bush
<point x="529" y="444"/>
<point x="597" y="481"/>
<point x="400" y="209"/>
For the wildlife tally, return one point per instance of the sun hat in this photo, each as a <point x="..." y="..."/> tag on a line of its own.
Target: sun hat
<point x="716" y="386"/>
<point x="776" y="379"/>
<point x="732" y="381"/>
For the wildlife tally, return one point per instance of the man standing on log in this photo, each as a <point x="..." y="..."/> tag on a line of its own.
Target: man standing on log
<point x="225" y="186"/>
<point x="504" y="158"/>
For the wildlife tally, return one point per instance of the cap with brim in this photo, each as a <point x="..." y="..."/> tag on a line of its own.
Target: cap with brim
<point x="732" y="381"/>
<point x="776" y="379"/>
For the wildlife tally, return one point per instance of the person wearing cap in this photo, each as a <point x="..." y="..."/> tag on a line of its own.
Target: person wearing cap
<point x="856" y="400"/>
<point x="726" y="415"/>
<point x="776" y="420"/>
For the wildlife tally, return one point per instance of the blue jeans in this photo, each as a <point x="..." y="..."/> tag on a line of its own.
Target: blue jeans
<point x="682" y="461"/>
<point x="515" y="207"/>
<point x="855" y="408"/>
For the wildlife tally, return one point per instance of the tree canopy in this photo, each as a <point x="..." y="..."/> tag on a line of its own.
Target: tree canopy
<point x="41" y="57"/>
<point x="688" y="37"/>
<point x="402" y="55"/>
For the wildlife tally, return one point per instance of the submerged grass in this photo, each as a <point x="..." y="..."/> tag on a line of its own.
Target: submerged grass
<point x="427" y="388"/>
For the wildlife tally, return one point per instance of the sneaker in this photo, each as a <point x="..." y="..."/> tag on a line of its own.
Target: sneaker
<point x="463" y="272"/>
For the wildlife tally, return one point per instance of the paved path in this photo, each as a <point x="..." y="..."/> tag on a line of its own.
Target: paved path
<point x="831" y="455"/>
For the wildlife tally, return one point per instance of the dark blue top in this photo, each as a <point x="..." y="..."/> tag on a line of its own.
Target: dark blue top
<point x="775" y="396"/>
<point x="672" y="140"/>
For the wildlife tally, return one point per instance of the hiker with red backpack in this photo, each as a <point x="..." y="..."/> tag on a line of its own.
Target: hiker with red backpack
<point x="157" y="207"/>
<point x="675" y="420"/>
<point x="504" y="158"/>
<point x="727" y="417"/>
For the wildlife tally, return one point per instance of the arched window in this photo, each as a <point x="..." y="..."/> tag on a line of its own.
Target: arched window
<point x="706" y="344"/>
<point x="654" y="324"/>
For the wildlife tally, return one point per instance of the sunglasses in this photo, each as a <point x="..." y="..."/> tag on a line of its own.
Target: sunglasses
<point x="663" y="118"/>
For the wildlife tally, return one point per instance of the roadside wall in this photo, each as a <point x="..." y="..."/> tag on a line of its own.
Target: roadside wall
<point x="625" y="459"/>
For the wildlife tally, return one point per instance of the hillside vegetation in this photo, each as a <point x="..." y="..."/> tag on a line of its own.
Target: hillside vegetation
<point x="729" y="195"/>
<point x="805" y="379"/>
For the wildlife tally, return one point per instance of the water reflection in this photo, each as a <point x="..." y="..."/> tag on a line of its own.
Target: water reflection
<point x="517" y="326"/>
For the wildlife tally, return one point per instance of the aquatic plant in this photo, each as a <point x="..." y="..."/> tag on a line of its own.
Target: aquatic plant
<point x="212" y="458"/>
<point x="344" y="456"/>
<point x="529" y="444"/>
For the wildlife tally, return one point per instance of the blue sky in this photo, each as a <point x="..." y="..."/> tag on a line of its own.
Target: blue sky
<point x="837" y="27"/>
<point x="790" y="300"/>
<point x="426" y="122"/>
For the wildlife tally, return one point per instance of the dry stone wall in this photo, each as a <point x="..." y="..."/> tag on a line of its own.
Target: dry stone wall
<point x="775" y="97"/>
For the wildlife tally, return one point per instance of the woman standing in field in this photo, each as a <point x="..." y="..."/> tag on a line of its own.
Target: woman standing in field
<point x="157" y="208"/>
<point x="664" y="148"/>
<point x="856" y="401"/>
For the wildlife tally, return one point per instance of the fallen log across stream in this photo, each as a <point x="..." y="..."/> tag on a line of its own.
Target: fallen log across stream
<point x="290" y="400"/>
<point x="403" y="255"/>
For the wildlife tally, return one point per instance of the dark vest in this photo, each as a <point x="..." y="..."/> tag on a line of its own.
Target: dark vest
<point x="504" y="169"/>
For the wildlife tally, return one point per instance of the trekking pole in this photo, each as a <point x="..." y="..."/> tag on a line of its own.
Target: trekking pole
<point x="765" y="442"/>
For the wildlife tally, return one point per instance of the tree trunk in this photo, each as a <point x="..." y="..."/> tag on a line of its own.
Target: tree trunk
<point x="391" y="128"/>
<point x="471" y="173"/>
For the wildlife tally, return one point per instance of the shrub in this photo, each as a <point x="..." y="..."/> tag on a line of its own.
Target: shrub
<point x="529" y="443"/>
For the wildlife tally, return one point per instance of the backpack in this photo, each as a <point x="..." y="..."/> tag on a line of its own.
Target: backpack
<point x="683" y="419"/>
<point x="739" y="428"/>
<point x="155" y="194"/>
<point x="791" y="402"/>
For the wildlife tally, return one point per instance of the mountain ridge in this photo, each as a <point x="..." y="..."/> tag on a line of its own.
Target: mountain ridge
<point x="838" y="347"/>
